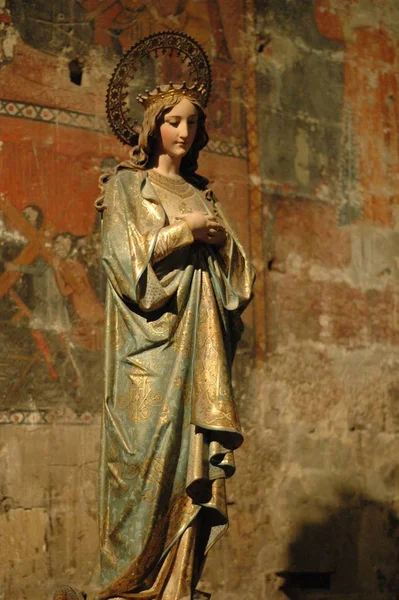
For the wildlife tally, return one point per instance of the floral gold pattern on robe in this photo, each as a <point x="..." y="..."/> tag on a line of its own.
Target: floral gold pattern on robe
<point x="169" y="424"/>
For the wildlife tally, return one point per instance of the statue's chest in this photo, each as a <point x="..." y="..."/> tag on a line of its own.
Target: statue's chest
<point x="182" y="201"/>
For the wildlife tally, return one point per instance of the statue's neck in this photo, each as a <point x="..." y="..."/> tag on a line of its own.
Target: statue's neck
<point x="167" y="165"/>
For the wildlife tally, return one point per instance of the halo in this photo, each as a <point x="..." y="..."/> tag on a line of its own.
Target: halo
<point x="156" y="45"/>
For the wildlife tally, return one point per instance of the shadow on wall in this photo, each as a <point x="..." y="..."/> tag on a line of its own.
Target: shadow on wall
<point x="349" y="551"/>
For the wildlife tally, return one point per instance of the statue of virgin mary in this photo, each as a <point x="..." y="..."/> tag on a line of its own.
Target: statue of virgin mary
<point x="178" y="280"/>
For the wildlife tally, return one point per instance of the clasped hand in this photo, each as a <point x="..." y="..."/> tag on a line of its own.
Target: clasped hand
<point x="204" y="227"/>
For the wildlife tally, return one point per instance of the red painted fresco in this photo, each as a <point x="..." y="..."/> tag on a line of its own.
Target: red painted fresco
<point x="370" y="92"/>
<point x="56" y="168"/>
<point x="54" y="146"/>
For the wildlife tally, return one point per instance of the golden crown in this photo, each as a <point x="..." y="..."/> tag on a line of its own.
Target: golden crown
<point x="158" y="45"/>
<point x="196" y="91"/>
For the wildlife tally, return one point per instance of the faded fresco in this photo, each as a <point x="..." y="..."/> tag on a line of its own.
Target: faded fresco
<point x="300" y="75"/>
<point x="55" y="61"/>
<point x="327" y="82"/>
<point x="368" y="152"/>
<point x="51" y="302"/>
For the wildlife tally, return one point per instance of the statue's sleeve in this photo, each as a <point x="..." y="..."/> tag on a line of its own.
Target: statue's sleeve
<point x="170" y="238"/>
<point x="232" y="274"/>
<point x="133" y="239"/>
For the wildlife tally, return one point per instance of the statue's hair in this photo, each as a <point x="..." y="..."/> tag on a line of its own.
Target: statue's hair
<point x="142" y="155"/>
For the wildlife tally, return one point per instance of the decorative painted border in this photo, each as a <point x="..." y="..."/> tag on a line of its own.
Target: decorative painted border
<point x="78" y="120"/>
<point x="55" y="116"/>
<point x="46" y="417"/>
<point x="227" y="149"/>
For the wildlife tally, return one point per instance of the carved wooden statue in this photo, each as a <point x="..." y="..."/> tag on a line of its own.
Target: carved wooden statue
<point x="178" y="280"/>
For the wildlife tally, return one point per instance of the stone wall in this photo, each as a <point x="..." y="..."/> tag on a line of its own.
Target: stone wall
<point x="304" y="156"/>
<point x="316" y="502"/>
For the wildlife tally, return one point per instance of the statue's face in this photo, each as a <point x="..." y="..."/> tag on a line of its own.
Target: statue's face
<point x="178" y="129"/>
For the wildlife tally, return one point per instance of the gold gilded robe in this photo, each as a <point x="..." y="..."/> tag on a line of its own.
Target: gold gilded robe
<point x="169" y="423"/>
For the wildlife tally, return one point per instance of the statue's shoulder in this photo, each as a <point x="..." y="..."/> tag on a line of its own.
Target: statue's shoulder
<point x="126" y="175"/>
<point x="118" y="189"/>
<point x="126" y="184"/>
<point x="117" y="186"/>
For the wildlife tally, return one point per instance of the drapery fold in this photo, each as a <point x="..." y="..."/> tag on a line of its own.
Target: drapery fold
<point x="169" y="422"/>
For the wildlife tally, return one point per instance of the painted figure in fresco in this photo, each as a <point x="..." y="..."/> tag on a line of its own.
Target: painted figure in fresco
<point x="45" y="286"/>
<point x="49" y="313"/>
<point x="12" y="242"/>
<point x="88" y="252"/>
<point x="177" y="282"/>
<point x="73" y="281"/>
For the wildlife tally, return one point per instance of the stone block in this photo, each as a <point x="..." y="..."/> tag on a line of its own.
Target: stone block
<point x="48" y="530"/>
<point x="24" y="553"/>
<point x="375" y="256"/>
<point x="307" y="231"/>
<point x="25" y="451"/>
<point x="294" y="309"/>
<point x="331" y="312"/>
